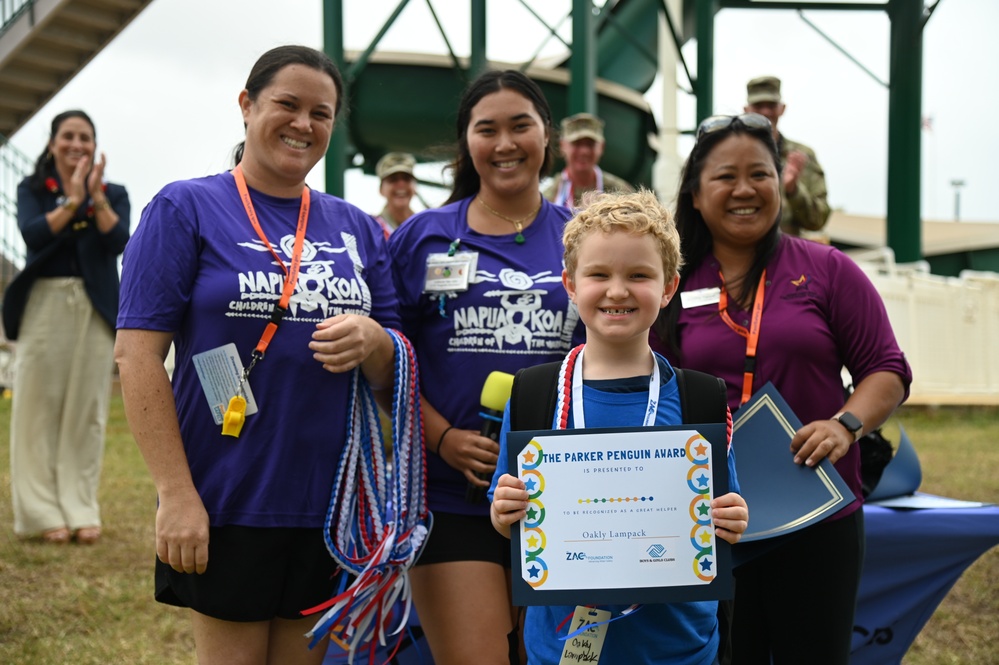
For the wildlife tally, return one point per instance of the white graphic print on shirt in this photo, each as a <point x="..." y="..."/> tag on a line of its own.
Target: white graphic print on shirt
<point x="518" y="323"/>
<point x="321" y="292"/>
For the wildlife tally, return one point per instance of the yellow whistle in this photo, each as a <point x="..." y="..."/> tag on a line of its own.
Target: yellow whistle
<point x="235" y="415"/>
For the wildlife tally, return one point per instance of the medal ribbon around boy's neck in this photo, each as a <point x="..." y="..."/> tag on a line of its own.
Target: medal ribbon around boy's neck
<point x="752" y="335"/>
<point x="232" y="421"/>
<point x="571" y="373"/>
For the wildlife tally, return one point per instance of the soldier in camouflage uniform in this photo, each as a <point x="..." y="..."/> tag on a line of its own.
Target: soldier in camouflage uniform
<point x="398" y="186"/>
<point x="803" y="190"/>
<point x="582" y="144"/>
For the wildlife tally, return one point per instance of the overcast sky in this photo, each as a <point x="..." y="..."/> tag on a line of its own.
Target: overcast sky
<point x="163" y="94"/>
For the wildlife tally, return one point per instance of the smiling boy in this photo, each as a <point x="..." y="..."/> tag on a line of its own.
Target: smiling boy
<point x="622" y="260"/>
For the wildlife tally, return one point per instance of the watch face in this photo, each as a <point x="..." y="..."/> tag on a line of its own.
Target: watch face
<point x="850" y="422"/>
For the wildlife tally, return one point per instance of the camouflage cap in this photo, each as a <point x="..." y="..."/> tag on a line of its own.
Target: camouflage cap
<point x="582" y="126"/>
<point x="763" y="89"/>
<point x="395" y="162"/>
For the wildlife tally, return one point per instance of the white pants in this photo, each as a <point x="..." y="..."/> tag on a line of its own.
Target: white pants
<point x="62" y="386"/>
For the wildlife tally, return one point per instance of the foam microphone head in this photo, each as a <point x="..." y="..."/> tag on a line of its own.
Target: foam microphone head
<point x="495" y="394"/>
<point x="496" y="391"/>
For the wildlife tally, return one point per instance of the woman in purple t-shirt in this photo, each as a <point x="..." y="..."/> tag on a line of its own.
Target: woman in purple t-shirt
<point x="216" y="264"/>
<point x="759" y="306"/>
<point x="479" y="288"/>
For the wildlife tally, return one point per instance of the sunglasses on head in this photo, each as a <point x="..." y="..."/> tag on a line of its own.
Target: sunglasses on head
<point x="718" y="122"/>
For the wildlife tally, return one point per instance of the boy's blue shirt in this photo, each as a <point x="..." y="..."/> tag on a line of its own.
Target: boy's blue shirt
<point x="676" y="633"/>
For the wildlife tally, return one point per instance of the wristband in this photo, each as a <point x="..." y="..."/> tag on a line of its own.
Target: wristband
<point x="103" y="205"/>
<point x="440" y="441"/>
<point x="67" y="203"/>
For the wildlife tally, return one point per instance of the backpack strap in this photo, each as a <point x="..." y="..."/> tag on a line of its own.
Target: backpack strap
<point x="703" y="399"/>
<point x="533" y="398"/>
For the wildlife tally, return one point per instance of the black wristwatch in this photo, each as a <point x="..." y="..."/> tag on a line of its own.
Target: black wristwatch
<point x="850" y="422"/>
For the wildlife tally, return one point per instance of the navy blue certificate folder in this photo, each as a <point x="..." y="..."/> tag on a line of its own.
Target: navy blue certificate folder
<point x="782" y="496"/>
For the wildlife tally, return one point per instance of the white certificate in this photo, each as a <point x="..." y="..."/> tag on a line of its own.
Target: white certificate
<point x="620" y="516"/>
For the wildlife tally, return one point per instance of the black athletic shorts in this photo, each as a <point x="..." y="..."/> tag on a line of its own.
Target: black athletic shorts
<point x="254" y="574"/>
<point x="465" y="538"/>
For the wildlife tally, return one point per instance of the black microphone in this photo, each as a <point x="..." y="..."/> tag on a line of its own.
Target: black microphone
<point x="495" y="394"/>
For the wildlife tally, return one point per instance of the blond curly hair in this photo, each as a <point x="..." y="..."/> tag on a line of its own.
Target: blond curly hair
<point x="638" y="213"/>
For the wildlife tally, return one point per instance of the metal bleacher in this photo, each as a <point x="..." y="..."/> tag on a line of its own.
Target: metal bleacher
<point x="45" y="43"/>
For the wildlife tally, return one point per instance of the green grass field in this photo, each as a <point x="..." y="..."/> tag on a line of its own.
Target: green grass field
<point x="93" y="605"/>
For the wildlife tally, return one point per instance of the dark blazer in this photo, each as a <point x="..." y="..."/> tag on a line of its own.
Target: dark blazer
<point x="97" y="253"/>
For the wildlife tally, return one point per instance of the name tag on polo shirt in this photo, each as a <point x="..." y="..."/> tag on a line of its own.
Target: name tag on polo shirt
<point x="700" y="297"/>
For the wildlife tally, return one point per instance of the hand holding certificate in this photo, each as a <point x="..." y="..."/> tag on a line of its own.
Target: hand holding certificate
<point x="620" y="516"/>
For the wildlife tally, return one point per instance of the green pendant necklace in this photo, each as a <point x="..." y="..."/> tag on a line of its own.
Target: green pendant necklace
<point x="518" y="224"/>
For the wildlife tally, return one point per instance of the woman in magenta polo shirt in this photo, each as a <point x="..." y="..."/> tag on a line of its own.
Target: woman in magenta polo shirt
<point x="756" y="306"/>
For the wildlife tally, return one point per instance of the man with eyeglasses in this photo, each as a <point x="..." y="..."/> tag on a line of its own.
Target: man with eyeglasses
<point x="803" y="190"/>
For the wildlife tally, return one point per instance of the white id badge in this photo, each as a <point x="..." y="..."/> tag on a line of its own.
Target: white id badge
<point x="700" y="297"/>
<point x="586" y="646"/>
<point x="450" y="274"/>
<point x="219" y="370"/>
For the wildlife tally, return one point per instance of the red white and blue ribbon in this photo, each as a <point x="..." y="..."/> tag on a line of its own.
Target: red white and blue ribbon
<point x="378" y="519"/>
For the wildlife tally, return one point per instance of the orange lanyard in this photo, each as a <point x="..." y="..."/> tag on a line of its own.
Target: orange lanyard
<point x="235" y="414"/>
<point x="291" y="275"/>
<point x="752" y="335"/>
